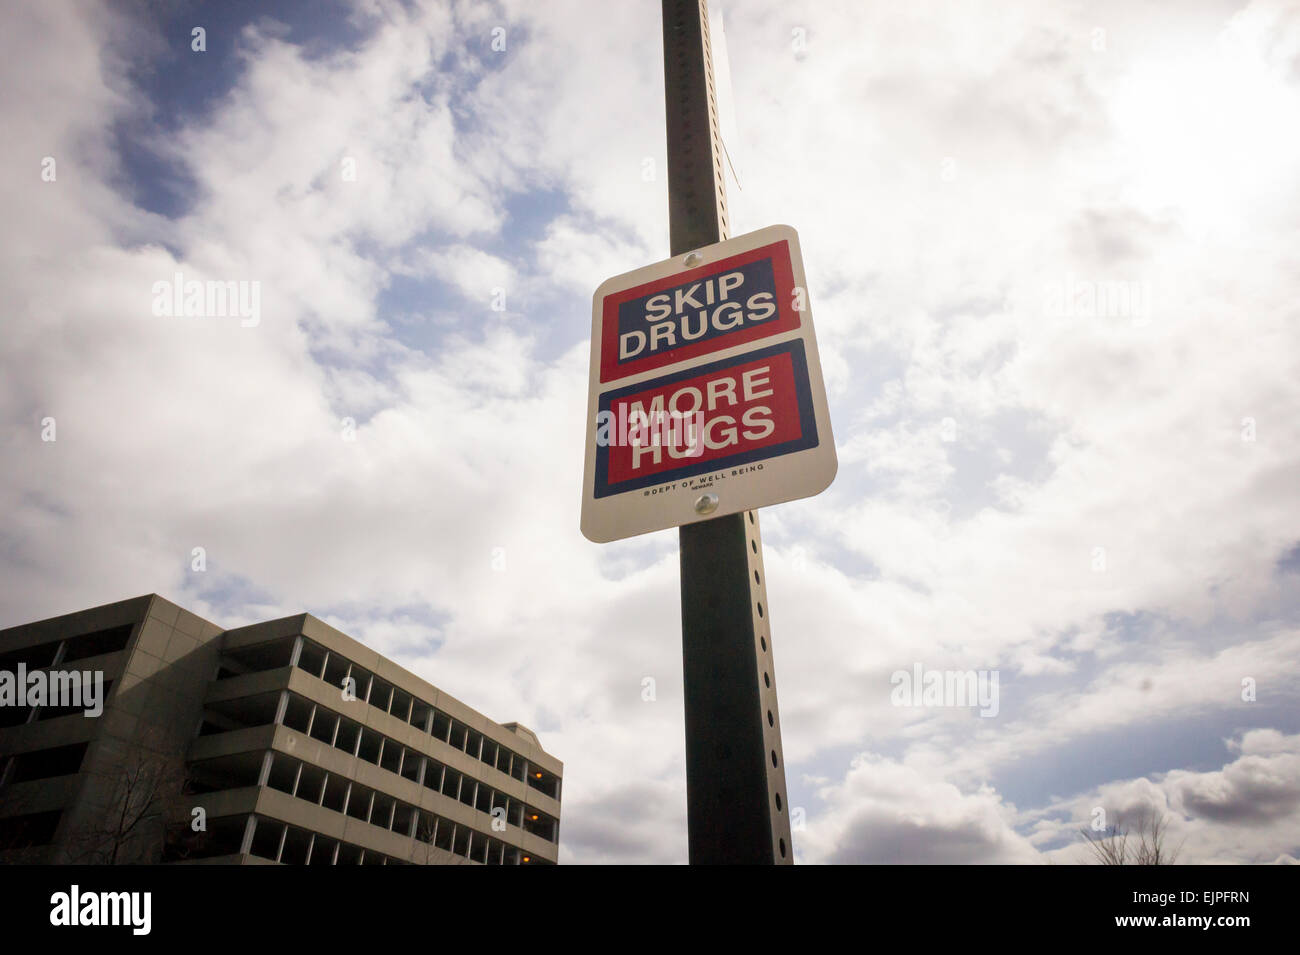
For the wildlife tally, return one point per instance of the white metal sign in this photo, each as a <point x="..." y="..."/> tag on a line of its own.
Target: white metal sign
<point x="706" y="393"/>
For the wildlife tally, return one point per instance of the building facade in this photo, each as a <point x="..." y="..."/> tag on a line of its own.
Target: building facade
<point x="285" y="741"/>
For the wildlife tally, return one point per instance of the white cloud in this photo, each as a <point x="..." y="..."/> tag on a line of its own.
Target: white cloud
<point x="1248" y="811"/>
<point x="887" y="812"/>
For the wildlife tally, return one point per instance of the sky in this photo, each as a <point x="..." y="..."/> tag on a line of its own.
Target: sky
<point x="1053" y="257"/>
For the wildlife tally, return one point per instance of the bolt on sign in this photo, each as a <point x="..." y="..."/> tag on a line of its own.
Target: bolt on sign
<point x="706" y="393"/>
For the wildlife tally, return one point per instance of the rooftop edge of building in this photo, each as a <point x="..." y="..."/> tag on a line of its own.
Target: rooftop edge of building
<point x="157" y="606"/>
<point x="132" y="608"/>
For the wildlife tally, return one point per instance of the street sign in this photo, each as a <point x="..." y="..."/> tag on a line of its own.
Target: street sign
<point x="706" y="393"/>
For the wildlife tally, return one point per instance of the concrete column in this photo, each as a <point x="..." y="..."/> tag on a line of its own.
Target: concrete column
<point x="59" y="653"/>
<point x="265" y="773"/>
<point x="246" y="844"/>
<point x="555" y="823"/>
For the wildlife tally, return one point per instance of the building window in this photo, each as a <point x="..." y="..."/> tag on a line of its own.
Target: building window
<point x="98" y="643"/>
<point x="312" y="658"/>
<point x="29" y="830"/>
<point x="47" y="763"/>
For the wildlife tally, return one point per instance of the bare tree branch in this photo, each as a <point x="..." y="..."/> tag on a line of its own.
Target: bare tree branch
<point x="144" y="798"/>
<point x="1113" y="847"/>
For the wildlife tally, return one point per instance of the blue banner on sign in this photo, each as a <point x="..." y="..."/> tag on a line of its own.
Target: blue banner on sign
<point x="763" y="414"/>
<point x="698" y="311"/>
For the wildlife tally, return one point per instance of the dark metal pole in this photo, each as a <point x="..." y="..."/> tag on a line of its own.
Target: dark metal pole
<point x="735" y="769"/>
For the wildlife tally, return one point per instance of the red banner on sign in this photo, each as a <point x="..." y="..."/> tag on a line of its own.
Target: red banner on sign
<point x="721" y="414"/>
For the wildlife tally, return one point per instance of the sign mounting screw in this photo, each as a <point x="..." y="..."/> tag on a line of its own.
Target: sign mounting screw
<point x="693" y="258"/>
<point x="706" y="504"/>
